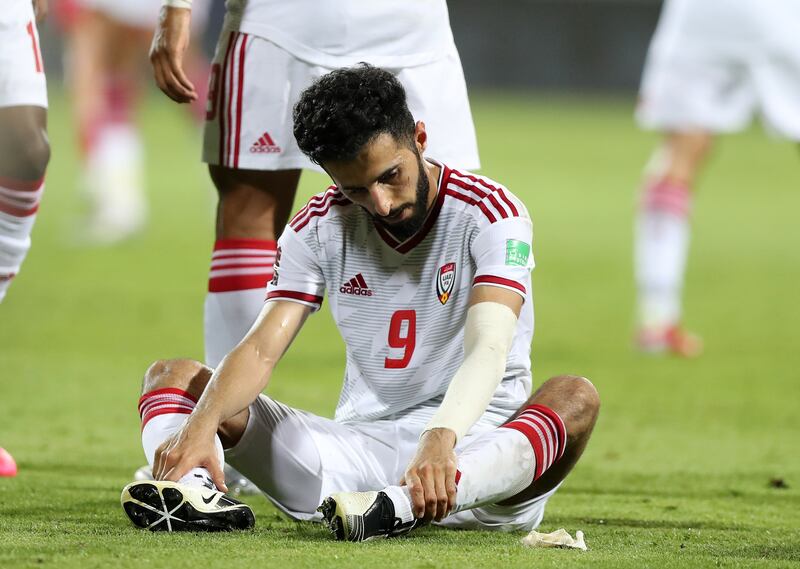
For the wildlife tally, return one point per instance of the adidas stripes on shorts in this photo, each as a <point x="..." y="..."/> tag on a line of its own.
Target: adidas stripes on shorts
<point x="254" y="85"/>
<point x="298" y="459"/>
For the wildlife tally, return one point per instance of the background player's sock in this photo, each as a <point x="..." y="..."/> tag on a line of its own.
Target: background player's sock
<point x="19" y="202"/>
<point x="240" y="271"/>
<point x="505" y="461"/>
<point x="163" y="412"/>
<point x="661" y="246"/>
<point x="114" y="182"/>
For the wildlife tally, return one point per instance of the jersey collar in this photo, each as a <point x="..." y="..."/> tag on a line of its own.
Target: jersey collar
<point x="433" y="214"/>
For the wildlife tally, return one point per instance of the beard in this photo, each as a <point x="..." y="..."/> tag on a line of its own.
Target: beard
<point x="405" y="229"/>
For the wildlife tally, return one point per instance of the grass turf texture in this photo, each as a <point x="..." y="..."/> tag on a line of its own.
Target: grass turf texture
<point x="677" y="474"/>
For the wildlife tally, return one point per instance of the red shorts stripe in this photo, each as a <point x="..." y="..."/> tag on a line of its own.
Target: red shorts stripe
<point x="222" y="94"/>
<point x="239" y="102"/>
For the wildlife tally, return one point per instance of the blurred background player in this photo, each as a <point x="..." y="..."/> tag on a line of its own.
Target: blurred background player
<point x="24" y="148"/>
<point x="711" y="66"/>
<point x="106" y="73"/>
<point x="268" y="51"/>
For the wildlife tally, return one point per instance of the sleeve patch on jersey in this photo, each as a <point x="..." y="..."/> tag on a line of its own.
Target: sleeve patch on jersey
<point x="517" y="253"/>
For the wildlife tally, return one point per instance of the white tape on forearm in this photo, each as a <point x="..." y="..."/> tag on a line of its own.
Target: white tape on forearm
<point x="488" y="333"/>
<point x="178" y="4"/>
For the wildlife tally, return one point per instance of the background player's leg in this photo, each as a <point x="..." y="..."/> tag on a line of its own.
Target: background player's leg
<point x="106" y="64"/>
<point x="662" y="242"/>
<point x="24" y="154"/>
<point x="533" y="452"/>
<point x="254" y="207"/>
<point x="170" y="391"/>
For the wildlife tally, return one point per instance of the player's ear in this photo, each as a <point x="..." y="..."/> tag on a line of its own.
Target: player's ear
<point x="420" y="136"/>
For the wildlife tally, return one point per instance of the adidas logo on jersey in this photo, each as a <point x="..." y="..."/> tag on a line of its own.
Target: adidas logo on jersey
<point x="264" y="145"/>
<point x="356" y="286"/>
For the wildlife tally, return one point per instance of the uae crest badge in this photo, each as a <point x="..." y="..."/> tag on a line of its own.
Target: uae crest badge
<point x="445" y="280"/>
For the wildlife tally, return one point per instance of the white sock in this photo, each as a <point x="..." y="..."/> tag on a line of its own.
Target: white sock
<point x="19" y="202"/>
<point x="501" y="463"/>
<point x="661" y="248"/>
<point x="114" y="180"/>
<point x="163" y="412"/>
<point x="240" y="271"/>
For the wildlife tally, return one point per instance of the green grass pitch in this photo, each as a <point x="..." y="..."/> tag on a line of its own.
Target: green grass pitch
<point x="677" y="474"/>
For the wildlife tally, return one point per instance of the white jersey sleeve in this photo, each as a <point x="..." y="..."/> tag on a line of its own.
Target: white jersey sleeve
<point x="297" y="275"/>
<point x="503" y="255"/>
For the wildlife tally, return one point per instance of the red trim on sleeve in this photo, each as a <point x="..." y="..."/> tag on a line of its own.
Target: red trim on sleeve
<point x="493" y="280"/>
<point x="294" y="295"/>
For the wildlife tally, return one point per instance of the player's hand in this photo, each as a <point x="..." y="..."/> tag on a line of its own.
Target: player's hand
<point x="431" y="476"/>
<point x="190" y="447"/>
<point x="40" y="8"/>
<point x="170" y="42"/>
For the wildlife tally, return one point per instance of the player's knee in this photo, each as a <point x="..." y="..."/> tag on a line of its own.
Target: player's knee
<point x="576" y="400"/>
<point x="31" y="154"/>
<point x="188" y="375"/>
<point x="37" y="154"/>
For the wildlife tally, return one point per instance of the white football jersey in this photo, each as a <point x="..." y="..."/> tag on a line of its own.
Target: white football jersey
<point x="401" y="307"/>
<point x="341" y="33"/>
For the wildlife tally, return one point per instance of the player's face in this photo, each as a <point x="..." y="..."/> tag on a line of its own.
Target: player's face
<point x="390" y="181"/>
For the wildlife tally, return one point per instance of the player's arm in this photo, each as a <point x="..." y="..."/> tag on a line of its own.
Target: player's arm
<point x="245" y="371"/>
<point x="170" y="41"/>
<point x="488" y="332"/>
<point x="236" y="383"/>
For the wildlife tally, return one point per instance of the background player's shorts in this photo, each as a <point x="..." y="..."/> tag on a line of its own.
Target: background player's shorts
<point x="143" y="14"/>
<point x="714" y="65"/>
<point x="22" y="81"/>
<point x="298" y="459"/>
<point x="254" y="84"/>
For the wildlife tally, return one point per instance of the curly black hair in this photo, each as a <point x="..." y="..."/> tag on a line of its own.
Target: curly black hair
<point x="346" y="108"/>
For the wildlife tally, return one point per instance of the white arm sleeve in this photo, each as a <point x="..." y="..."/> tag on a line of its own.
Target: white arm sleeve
<point x="488" y="333"/>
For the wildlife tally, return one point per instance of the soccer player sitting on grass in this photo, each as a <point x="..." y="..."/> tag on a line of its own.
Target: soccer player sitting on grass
<point x="427" y="270"/>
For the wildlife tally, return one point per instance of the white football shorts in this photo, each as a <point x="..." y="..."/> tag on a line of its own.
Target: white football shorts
<point x="298" y="459"/>
<point x="714" y="65"/>
<point x="22" y="80"/>
<point x="143" y="14"/>
<point x="254" y="85"/>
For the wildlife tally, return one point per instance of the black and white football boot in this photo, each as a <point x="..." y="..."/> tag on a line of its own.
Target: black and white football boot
<point x="361" y="516"/>
<point x="159" y="505"/>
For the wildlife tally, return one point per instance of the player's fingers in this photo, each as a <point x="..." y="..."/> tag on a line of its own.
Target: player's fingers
<point x="451" y="488"/>
<point x="429" y="487"/>
<point x="186" y="86"/>
<point x="158" y="463"/>
<point x="159" y="74"/>
<point x="217" y="474"/>
<point x="166" y="81"/>
<point x="417" y="495"/>
<point x="177" y="91"/>
<point x="441" y="495"/>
